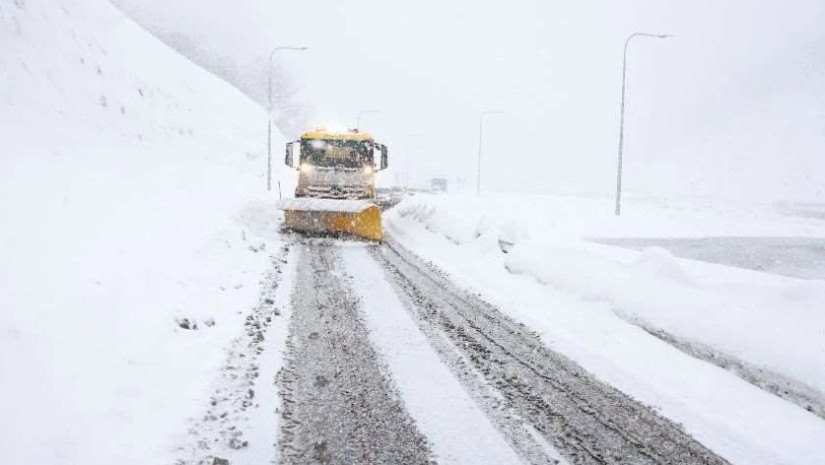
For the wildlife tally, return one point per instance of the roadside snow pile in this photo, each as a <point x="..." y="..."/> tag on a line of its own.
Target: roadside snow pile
<point x="767" y="328"/>
<point x="125" y="263"/>
<point x="454" y="226"/>
<point x="658" y="261"/>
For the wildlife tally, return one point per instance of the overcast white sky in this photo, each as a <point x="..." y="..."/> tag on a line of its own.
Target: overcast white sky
<point x="733" y="105"/>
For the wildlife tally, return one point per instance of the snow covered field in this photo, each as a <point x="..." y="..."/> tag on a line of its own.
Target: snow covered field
<point x="589" y="301"/>
<point x="126" y="176"/>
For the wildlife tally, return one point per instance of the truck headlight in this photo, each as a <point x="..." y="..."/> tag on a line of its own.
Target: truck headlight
<point x="305" y="167"/>
<point x="368" y="169"/>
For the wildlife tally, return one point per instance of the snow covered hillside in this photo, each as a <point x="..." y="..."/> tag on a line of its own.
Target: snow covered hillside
<point x="124" y="175"/>
<point x="621" y="312"/>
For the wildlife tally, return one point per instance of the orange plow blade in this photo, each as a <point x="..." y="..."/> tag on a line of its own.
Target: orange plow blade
<point x="357" y="218"/>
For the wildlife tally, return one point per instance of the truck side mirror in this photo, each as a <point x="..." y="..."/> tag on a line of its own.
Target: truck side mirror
<point x="374" y="156"/>
<point x="384" y="158"/>
<point x="291" y="159"/>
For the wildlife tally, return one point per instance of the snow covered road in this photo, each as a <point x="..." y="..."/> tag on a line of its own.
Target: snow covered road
<point x="387" y="361"/>
<point x="385" y="358"/>
<point x="339" y="404"/>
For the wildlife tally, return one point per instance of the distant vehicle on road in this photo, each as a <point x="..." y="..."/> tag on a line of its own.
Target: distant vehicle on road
<point x="438" y="185"/>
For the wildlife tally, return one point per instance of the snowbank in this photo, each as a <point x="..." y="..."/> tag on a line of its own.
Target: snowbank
<point x="124" y="174"/>
<point x="770" y="327"/>
<point x="774" y="324"/>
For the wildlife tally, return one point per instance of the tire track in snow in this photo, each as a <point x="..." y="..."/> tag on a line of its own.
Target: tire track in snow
<point x="466" y="420"/>
<point x="588" y="421"/>
<point x="340" y="406"/>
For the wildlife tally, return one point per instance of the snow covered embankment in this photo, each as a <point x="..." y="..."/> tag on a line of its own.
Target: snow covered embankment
<point x="771" y="324"/>
<point x="124" y="170"/>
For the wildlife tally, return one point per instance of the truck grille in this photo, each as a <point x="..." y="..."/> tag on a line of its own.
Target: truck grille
<point x="336" y="192"/>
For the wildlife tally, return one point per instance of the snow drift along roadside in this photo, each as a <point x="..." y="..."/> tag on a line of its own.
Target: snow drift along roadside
<point x="123" y="173"/>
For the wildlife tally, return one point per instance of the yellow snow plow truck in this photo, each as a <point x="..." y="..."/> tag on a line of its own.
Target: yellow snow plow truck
<point x="336" y="184"/>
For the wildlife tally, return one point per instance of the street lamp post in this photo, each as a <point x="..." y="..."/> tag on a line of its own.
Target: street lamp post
<point x="269" y="113"/>
<point x="480" y="142"/>
<point x="409" y="150"/>
<point x="362" y="113"/>
<point x="621" y="117"/>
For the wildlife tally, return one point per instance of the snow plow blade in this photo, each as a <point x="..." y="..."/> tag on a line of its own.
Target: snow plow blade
<point x="358" y="218"/>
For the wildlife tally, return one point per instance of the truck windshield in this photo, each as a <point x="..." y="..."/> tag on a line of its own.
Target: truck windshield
<point x="341" y="153"/>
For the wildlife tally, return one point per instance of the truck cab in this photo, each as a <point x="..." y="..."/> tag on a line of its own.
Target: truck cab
<point x="336" y="164"/>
